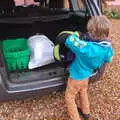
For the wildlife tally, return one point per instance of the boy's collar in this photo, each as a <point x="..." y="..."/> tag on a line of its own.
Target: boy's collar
<point x="88" y="38"/>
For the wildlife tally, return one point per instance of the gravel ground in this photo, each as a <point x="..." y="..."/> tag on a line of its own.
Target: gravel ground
<point x="104" y="96"/>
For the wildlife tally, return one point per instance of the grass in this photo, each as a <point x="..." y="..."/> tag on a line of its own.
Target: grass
<point x="112" y="14"/>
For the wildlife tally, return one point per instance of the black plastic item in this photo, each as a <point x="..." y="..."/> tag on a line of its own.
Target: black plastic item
<point x="65" y="55"/>
<point x="99" y="74"/>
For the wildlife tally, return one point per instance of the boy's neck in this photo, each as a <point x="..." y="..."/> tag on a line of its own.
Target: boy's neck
<point x="90" y="39"/>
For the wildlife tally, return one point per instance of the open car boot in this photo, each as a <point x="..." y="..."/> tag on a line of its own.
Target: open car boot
<point x="50" y="19"/>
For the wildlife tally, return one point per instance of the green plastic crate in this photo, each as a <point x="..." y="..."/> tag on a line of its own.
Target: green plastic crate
<point x="16" y="53"/>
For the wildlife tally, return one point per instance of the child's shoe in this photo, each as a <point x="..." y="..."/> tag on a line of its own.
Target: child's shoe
<point x="86" y="116"/>
<point x="90" y="118"/>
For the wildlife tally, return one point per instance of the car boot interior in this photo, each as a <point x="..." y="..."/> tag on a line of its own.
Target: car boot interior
<point x="20" y="21"/>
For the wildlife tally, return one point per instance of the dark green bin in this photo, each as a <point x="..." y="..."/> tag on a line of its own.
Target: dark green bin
<point x="16" y="53"/>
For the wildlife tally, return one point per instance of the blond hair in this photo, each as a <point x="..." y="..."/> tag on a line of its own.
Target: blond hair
<point x="99" y="27"/>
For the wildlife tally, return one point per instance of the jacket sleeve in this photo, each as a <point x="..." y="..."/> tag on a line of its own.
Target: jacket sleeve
<point x="109" y="55"/>
<point x="75" y="44"/>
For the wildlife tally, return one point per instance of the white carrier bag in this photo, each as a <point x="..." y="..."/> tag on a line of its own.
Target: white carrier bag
<point x="41" y="51"/>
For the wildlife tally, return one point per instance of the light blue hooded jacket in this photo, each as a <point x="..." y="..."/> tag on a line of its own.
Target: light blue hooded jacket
<point x="88" y="56"/>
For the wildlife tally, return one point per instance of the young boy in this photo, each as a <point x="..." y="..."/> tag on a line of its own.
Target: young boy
<point x="89" y="55"/>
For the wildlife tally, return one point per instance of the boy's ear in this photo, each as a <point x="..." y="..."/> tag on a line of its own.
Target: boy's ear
<point x="93" y="32"/>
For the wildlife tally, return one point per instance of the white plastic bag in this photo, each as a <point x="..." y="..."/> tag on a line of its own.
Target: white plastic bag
<point x="41" y="51"/>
